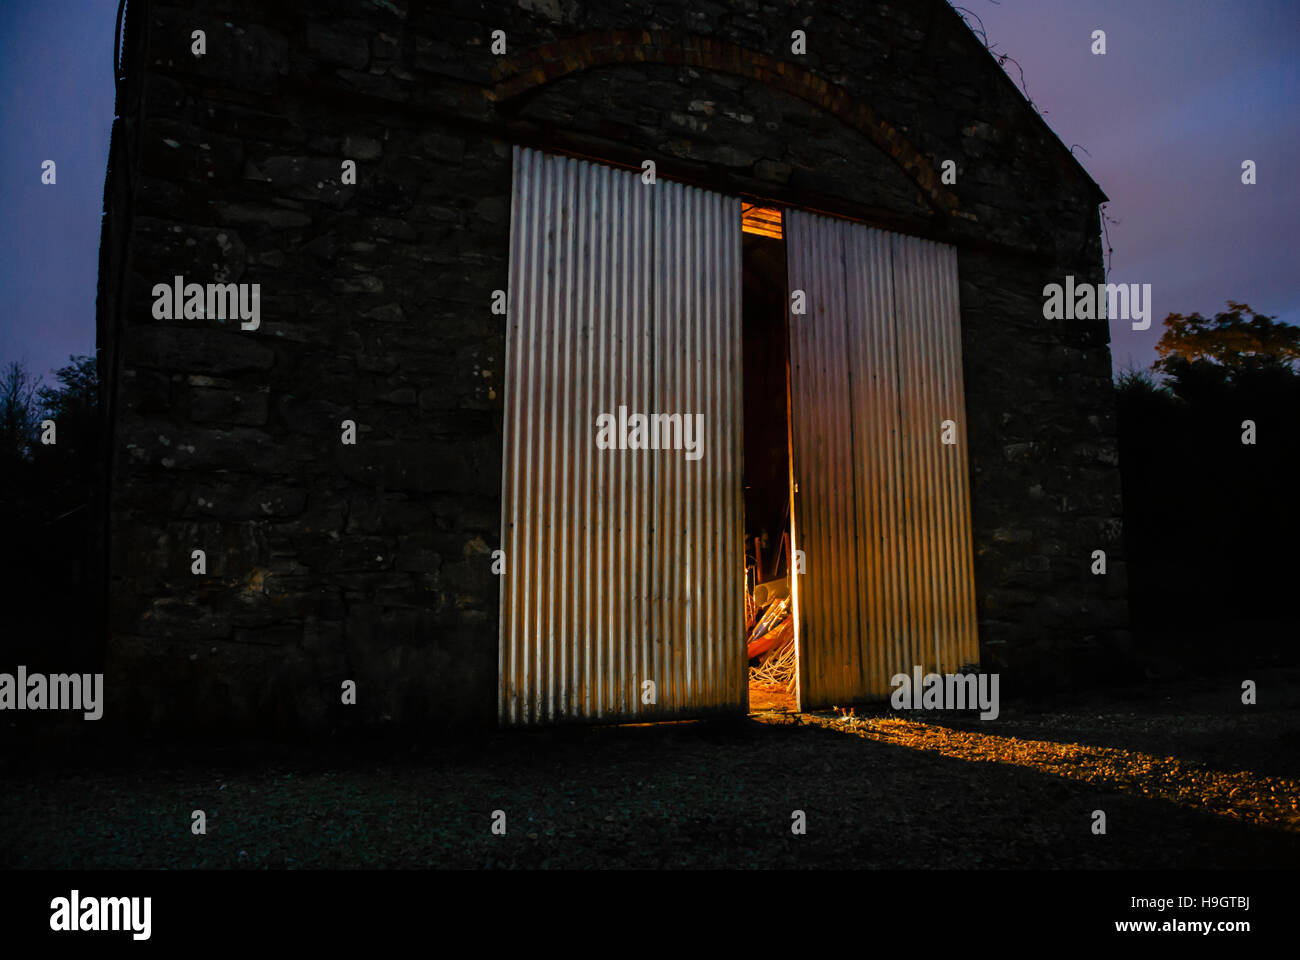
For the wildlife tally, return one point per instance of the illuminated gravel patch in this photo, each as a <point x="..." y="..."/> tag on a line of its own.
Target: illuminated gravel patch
<point x="1241" y="794"/>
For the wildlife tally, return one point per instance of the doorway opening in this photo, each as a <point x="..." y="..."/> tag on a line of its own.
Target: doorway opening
<point x="770" y="634"/>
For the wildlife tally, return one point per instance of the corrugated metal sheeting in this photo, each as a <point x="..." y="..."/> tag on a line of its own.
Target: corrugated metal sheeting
<point x="882" y="511"/>
<point x="622" y="565"/>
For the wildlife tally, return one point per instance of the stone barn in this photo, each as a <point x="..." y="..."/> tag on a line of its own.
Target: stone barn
<point x="475" y="362"/>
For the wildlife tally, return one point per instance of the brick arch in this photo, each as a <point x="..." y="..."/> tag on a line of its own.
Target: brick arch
<point x="523" y="72"/>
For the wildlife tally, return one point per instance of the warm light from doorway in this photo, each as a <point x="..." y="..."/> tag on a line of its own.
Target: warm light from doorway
<point x="764" y="221"/>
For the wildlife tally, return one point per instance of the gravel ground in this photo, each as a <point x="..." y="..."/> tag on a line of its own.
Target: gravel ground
<point x="877" y="791"/>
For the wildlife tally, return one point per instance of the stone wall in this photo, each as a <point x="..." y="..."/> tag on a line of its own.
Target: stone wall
<point x="371" y="562"/>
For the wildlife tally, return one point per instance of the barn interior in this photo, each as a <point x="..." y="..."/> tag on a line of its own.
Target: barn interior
<point x="769" y="607"/>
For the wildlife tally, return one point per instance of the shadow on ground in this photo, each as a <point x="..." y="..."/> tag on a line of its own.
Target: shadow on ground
<point x="686" y="795"/>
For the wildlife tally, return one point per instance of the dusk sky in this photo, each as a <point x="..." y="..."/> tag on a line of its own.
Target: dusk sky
<point x="1187" y="90"/>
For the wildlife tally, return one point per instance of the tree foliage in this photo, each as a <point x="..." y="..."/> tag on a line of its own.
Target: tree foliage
<point x="47" y="510"/>
<point x="18" y="415"/>
<point x="1237" y="341"/>
<point x="1202" y="508"/>
<point x="73" y="405"/>
<point x="78" y="394"/>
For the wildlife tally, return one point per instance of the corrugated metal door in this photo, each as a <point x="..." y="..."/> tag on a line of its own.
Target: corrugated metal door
<point x="622" y="566"/>
<point x="882" y="508"/>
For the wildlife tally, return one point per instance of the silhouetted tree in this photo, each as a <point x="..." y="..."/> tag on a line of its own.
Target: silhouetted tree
<point x="46" y="509"/>
<point x="18" y="416"/>
<point x="67" y="466"/>
<point x="1210" y="522"/>
<point x="77" y="397"/>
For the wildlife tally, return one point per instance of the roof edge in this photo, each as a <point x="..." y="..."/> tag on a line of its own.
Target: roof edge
<point x="1025" y="101"/>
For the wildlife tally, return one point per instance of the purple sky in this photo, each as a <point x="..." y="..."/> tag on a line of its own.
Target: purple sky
<point x="56" y="103"/>
<point x="1186" y="91"/>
